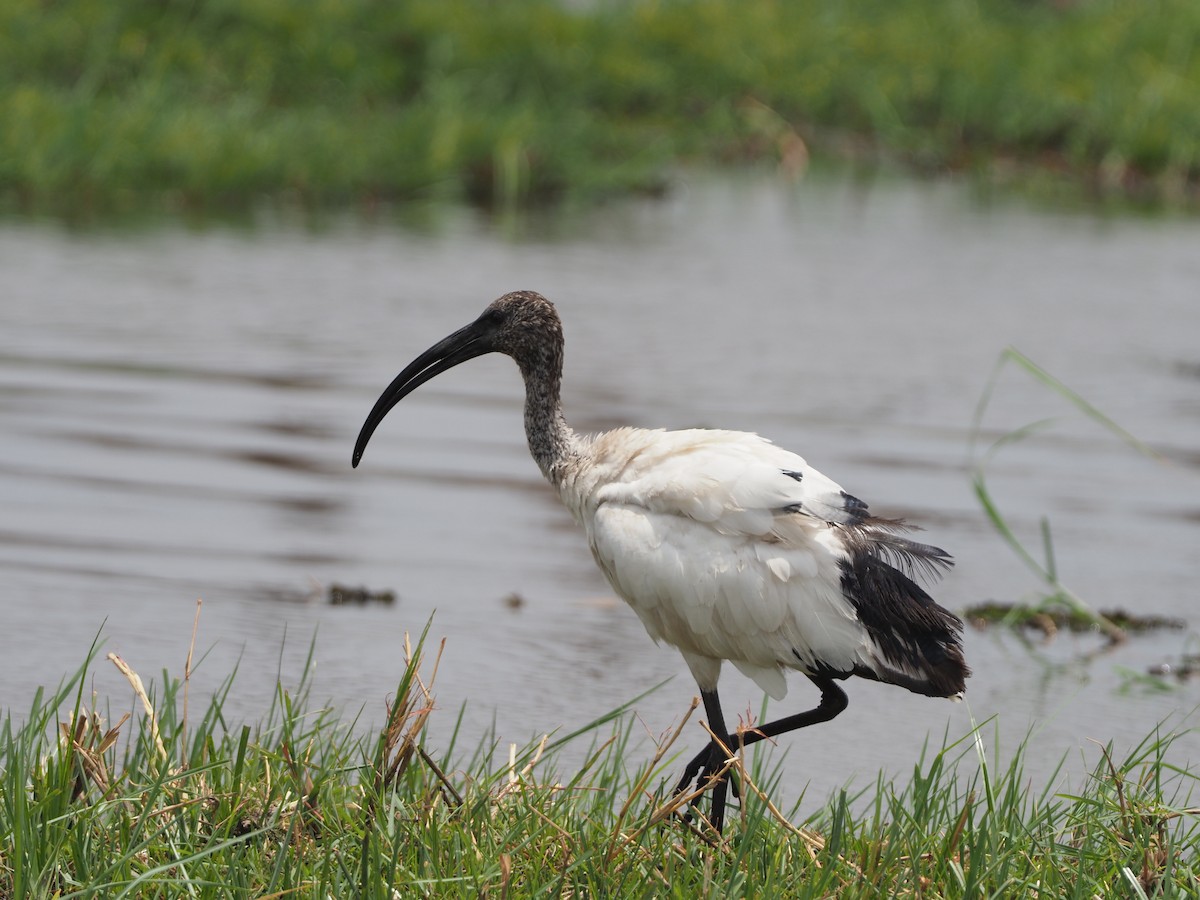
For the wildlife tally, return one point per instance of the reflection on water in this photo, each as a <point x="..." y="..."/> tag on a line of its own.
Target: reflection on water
<point x="178" y="408"/>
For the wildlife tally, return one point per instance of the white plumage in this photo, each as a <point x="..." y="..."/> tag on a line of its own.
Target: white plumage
<point x="726" y="546"/>
<point x="687" y="527"/>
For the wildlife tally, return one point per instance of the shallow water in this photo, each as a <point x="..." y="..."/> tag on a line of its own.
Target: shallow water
<point x="178" y="407"/>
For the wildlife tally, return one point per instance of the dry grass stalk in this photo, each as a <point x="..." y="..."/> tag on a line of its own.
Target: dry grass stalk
<point x="187" y="679"/>
<point x="660" y="751"/>
<point x="959" y="827"/>
<point x="812" y="841"/>
<point x="139" y="689"/>
<point x="90" y="745"/>
<point x="505" y="875"/>
<point x="519" y="780"/>
<point x="679" y="800"/>
<point x="452" y="796"/>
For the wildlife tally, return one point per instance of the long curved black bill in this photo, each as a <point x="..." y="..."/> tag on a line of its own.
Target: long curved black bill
<point x="466" y="343"/>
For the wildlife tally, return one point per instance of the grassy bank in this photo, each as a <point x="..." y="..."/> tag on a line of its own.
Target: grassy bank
<point x="186" y="803"/>
<point x="107" y="104"/>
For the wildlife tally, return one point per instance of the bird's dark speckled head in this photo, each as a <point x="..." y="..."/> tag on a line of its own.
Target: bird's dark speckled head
<point x="525" y="326"/>
<point x="521" y="324"/>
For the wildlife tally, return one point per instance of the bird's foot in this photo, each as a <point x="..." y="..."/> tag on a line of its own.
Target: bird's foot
<point x="709" y="770"/>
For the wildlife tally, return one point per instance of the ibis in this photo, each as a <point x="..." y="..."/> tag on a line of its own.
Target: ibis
<point x="726" y="546"/>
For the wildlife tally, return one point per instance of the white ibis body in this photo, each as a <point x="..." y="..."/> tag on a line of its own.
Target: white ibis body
<point x="726" y="546"/>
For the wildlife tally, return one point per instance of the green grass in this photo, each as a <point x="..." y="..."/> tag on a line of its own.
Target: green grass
<point x="121" y="104"/>
<point x="1058" y="604"/>
<point x="172" y="803"/>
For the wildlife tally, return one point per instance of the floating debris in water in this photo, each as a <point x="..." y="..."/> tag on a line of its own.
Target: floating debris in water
<point x="340" y="595"/>
<point x="514" y="601"/>
<point x="1188" y="667"/>
<point x="1051" y="620"/>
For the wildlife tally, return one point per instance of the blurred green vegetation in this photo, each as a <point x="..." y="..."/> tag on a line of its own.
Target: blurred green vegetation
<point x="115" y="102"/>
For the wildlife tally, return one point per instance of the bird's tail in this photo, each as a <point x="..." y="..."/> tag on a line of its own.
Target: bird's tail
<point x="916" y="643"/>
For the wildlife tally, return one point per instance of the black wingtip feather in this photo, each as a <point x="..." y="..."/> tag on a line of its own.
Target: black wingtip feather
<point x="877" y="538"/>
<point x="918" y="641"/>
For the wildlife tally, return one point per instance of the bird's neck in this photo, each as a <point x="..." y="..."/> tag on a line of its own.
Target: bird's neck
<point x="552" y="442"/>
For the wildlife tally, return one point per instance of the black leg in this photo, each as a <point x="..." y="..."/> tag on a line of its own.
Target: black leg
<point x="833" y="702"/>
<point x="711" y="759"/>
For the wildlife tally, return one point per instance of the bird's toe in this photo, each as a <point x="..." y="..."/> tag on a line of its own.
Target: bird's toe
<point x="708" y="770"/>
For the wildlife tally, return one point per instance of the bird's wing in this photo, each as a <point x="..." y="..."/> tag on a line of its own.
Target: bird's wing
<point x="734" y="481"/>
<point x="756" y="487"/>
